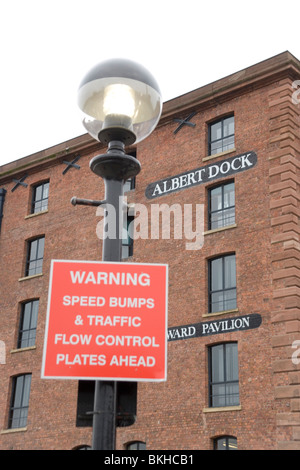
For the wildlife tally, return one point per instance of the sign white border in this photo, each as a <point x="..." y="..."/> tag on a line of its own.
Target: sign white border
<point x="114" y="379"/>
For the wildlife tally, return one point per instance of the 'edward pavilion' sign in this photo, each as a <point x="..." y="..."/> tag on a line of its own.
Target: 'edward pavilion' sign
<point x="228" y="325"/>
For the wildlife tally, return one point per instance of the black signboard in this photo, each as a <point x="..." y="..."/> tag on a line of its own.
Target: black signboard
<point x="226" y="325"/>
<point x="205" y="174"/>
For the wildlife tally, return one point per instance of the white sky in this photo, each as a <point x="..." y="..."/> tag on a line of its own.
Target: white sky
<point x="48" y="46"/>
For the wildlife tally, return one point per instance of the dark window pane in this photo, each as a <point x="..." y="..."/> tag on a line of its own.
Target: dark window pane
<point x="127" y="236"/>
<point x="229" y="195"/>
<point x="225" y="443"/>
<point x="232" y="443"/>
<point x="34" y="313"/>
<point x="138" y="445"/>
<point x="228" y="217"/>
<point x="222" y="287"/>
<point x="221" y="135"/>
<point x="224" y="378"/>
<point x="228" y="126"/>
<point x="26" y="316"/>
<point x="217" y="363"/>
<point x="227" y="143"/>
<point x="38" y="193"/>
<point x="216" y="131"/>
<point x="129" y="185"/>
<point x="46" y="190"/>
<point x="222" y="206"/>
<point x="230" y="272"/>
<point x="35" y="257"/>
<point x="20" y="401"/>
<point x="27" y="382"/>
<point x="41" y="244"/>
<point x="216" y="221"/>
<point x="232" y="395"/>
<point x="217" y="302"/>
<point x="18" y="390"/>
<point x="217" y="274"/>
<point x="40" y="198"/>
<point x="232" y="372"/>
<point x="216" y="199"/>
<point x="28" y="323"/>
<point x="229" y="299"/>
<point x="85" y="403"/>
<point x="218" y="395"/>
<point x="221" y="444"/>
<point x="33" y="249"/>
<point x="216" y="147"/>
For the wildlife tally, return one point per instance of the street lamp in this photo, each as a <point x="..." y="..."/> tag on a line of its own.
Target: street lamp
<point x="121" y="105"/>
<point x="120" y="100"/>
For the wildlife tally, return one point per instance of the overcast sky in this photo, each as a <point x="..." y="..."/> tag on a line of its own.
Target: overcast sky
<point x="48" y="46"/>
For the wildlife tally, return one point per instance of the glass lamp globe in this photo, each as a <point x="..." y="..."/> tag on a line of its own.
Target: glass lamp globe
<point x="119" y="100"/>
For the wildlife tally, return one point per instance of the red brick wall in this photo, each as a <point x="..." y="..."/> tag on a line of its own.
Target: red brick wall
<point x="284" y="176"/>
<point x="179" y="414"/>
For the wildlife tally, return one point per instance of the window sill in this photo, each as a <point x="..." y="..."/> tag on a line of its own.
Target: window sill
<point x="216" y="230"/>
<point x="222" y="408"/>
<point x="220" y="154"/>
<point x="30" y="277"/>
<point x="36" y="214"/>
<point x="29" y="348"/>
<point x="224" y="312"/>
<point x="9" y="431"/>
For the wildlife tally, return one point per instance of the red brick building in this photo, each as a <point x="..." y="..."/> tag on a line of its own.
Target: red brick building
<point x="231" y="147"/>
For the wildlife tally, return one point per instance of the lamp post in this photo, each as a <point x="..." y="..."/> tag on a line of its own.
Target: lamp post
<point x="121" y="105"/>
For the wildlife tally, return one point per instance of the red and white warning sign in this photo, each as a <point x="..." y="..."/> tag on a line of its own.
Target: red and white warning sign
<point x="106" y="321"/>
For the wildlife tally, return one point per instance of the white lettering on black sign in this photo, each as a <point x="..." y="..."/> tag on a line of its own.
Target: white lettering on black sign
<point x="228" y="325"/>
<point x="211" y="172"/>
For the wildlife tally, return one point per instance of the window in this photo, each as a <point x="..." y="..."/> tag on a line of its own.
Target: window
<point x="221" y="206"/>
<point x="126" y="403"/>
<point x="19" y="401"/>
<point x="222" y="284"/>
<point x="129" y="184"/>
<point x="28" y="323"/>
<point x="225" y="443"/>
<point x="136" y="445"/>
<point x="224" y="375"/>
<point x="127" y="240"/>
<point x="85" y="403"/>
<point x="221" y="135"/>
<point x="35" y="255"/>
<point x="40" y="198"/>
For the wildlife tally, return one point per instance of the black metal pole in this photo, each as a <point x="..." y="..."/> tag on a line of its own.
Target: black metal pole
<point x="115" y="168"/>
<point x="104" y="418"/>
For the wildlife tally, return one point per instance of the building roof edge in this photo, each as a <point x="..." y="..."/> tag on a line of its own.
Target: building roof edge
<point x="262" y="72"/>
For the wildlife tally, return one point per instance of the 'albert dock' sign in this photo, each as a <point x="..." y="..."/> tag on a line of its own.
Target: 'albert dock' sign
<point x="207" y="173"/>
